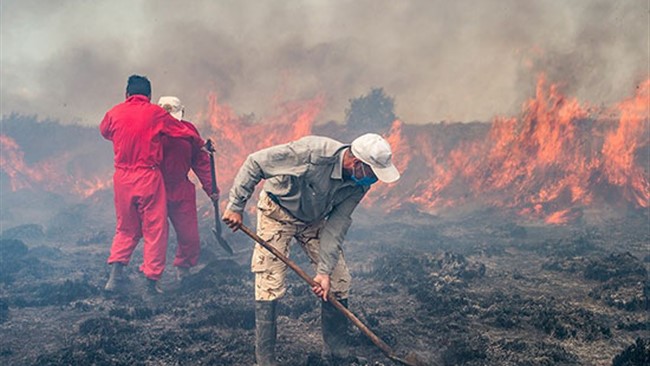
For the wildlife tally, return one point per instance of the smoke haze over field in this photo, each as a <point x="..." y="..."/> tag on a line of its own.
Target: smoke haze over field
<point x="440" y="60"/>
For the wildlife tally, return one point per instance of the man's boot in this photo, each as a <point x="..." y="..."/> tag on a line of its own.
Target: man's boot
<point x="182" y="273"/>
<point x="116" y="277"/>
<point x="265" y="332"/>
<point x="153" y="287"/>
<point x="335" y="333"/>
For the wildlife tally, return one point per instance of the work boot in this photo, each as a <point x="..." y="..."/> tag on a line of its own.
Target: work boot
<point x="182" y="273"/>
<point x="265" y="332"/>
<point x="334" y="326"/>
<point x="116" y="278"/>
<point x="153" y="287"/>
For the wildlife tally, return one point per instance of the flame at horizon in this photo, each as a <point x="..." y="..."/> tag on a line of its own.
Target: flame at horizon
<point x="236" y="136"/>
<point x="49" y="175"/>
<point x="555" y="159"/>
<point x="621" y="147"/>
<point x="12" y="162"/>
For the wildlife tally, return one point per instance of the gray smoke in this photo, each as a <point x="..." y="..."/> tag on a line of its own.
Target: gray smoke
<point x="440" y="60"/>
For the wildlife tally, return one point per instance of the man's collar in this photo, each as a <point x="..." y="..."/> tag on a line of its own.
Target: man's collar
<point x="138" y="97"/>
<point x="337" y="172"/>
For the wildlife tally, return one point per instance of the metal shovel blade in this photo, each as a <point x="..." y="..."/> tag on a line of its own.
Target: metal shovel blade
<point x="224" y="244"/>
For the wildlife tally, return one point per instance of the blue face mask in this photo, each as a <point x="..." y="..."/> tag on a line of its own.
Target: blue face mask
<point x="365" y="181"/>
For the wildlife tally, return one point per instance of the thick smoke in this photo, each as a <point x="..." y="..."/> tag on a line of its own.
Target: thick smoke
<point x="441" y="60"/>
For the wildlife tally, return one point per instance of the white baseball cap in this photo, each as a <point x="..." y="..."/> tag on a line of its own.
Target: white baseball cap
<point x="173" y="106"/>
<point x="374" y="150"/>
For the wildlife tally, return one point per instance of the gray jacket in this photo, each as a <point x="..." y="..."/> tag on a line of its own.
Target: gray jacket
<point x="305" y="177"/>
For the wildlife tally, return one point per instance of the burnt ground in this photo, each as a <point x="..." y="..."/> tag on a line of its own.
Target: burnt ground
<point x="475" y="290"/>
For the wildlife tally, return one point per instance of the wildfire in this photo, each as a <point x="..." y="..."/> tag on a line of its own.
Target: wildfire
<point x="553" y="160"/>
<point x="549" y="163"/>
<point x="238" y="136"/>
<point x="22" y="175"/>
<point x="624" y="143"/>
<point x="47" y="175"/>
<point x="87" y="187"/>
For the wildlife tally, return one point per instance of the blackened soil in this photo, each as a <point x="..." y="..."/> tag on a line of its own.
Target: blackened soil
<point x="449" y="292"/>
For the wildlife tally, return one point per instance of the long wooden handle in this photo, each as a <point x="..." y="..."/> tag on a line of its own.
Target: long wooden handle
<point x="373" y="337"/>
<point x="218" y="233"/>
<point x="213" y="172"/>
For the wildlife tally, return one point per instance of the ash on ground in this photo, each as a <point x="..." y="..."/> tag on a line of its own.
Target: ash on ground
<point x="463" y="292"/>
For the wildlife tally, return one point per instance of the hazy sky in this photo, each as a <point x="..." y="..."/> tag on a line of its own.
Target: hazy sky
<point x="440" y="59"/>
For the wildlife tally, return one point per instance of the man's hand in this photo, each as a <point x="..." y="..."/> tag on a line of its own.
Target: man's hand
<point x="232" y="219"/>
<point x="324" y="281"/>
<point x="209" y="146"/>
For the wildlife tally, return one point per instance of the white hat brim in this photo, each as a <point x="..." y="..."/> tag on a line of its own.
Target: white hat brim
<point x="388" y="174"/>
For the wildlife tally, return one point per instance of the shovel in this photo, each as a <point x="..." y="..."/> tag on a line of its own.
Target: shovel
<point x="217" y="222"/>
<point x="410" y="360"/>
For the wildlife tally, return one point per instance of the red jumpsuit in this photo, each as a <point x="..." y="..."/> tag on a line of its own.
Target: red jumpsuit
<point x="179" y="156"/>
<point x="135" y="127"/>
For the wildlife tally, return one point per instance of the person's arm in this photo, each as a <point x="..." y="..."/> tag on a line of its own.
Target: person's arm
<point x="331" y="239"/>
<point x="263" y="164"/>
<point x="334" y="231"/>
<point x="172" y="127"/>
<point x="201" y="167"/>
<point x="105" y="127"/>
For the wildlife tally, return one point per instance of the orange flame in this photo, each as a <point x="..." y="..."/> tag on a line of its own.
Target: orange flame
<point x="621" y="146"/>
<point x="239" y="136"/>
<point x="236" y="136"/>
<point x="12" y="162"/>
<point x="549" y="163"/>
<point x="48" y="175"/>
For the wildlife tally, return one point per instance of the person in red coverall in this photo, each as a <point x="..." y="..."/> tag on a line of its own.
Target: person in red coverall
<point x="179" y="156"/>
<point x="136" y="128"/>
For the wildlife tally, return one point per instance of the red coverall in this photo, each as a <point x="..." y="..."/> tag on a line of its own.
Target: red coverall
<point x="179" y="156"/>
<point x="135" y="127"/>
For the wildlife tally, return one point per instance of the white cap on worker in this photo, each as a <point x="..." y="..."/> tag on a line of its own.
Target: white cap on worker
<point x="375" y="151"/>
<point x="173" y="106"/>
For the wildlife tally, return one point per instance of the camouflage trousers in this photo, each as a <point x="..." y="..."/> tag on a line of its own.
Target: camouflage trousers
<point x="277" y="227"/>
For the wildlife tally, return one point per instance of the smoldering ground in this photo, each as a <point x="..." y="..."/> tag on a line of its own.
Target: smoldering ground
<point x="476" y="291"/>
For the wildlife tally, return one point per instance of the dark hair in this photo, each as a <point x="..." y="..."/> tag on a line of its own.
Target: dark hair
<point x="138" y="85"/>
